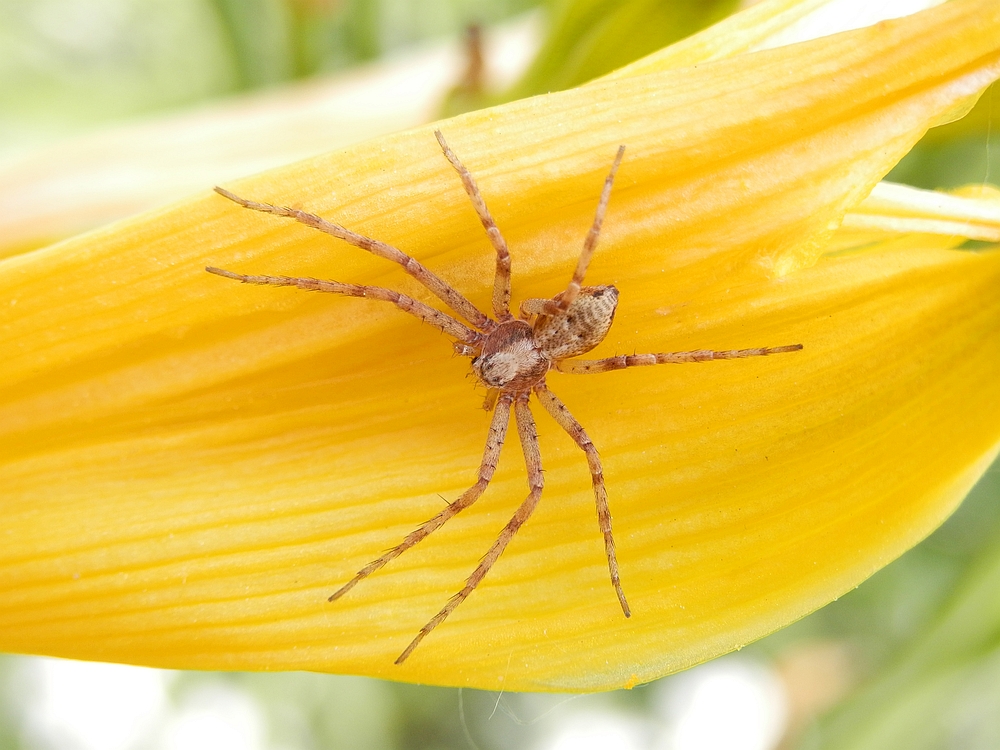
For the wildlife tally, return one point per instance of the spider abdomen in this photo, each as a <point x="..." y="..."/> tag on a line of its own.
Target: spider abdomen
<point x="581" y="327"/>
<point x="509" y="358"/>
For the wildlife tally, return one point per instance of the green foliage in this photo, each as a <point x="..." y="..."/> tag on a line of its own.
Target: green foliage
<point x="68" y="65"/>
<point x="259" y="37"/>
<point x="589" y="38"/>
<point x="65" y="66"/>
<point x="937" y="685"/>
<point x="959" y="153"/>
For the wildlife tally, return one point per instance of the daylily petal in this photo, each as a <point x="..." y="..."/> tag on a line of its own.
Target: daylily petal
<point x="769" y="24"/>
<point x="192" y="466"/>
<point x="899" y="209"/>
<point x="586" y="39"/>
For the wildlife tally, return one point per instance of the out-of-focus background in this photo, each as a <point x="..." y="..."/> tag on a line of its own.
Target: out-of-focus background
<point x="911" y="659"/>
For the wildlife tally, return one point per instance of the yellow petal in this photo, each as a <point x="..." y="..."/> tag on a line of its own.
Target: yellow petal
<point x="191" y="466"/>
<point x="769" y="24"/>
<point x="901" y="208"/>
<point x="892" y="209"/>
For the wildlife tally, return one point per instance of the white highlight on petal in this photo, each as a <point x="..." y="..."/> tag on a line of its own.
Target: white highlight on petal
<point x="903" y="209"/>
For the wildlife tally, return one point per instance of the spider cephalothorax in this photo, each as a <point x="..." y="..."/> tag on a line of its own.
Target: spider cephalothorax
<point x="511" y="356"/>
<point x="515" y="355"/>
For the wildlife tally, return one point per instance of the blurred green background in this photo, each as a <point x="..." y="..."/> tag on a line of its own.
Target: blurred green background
<point x="911" y="659"/>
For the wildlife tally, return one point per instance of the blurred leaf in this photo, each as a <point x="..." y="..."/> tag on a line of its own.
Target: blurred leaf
<point x="966" y="151"/>
<point x="70" y="64"/>
<point x="589" y="38"/>
<point x="928" y="694"/>
<point x="334" y="34"/>
<point x="260" y="35"/>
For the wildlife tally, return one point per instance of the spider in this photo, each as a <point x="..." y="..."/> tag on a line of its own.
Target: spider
<point x="510" y="356"/>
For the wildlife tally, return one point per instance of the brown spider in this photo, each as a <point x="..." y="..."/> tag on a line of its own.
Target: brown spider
<point x="510" y="356"/>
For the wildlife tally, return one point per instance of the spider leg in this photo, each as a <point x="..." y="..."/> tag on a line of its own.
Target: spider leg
<point x="589" y="244"/>
<point x="425" y="313"/>
<point x="533" y="460"/>
<point x="444" y="291"/>
<point x="534" y="306"/>
<point x="561" y="414"/>
<point x="491" y="399"/>
<point x="588" y="366"/>
<point x="491" y="454"/>
<point x="501" y="282"/>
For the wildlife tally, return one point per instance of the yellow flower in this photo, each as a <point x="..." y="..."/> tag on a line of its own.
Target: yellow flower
<point x="190" y="467"/>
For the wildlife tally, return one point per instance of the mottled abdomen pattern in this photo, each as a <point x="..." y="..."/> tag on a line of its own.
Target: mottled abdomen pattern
<point x="581" y="327"/>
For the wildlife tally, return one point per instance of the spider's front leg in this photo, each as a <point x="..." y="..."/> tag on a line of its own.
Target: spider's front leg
<point x="528" y="434"/>
<point x="467" y="337"/>
<point x="575" y="430"/>
<point x="440" y="288"/>
<point x="491" y="455"/>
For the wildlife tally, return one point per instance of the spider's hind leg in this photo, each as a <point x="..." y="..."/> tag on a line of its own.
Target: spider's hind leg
<point x="563" y="300"/>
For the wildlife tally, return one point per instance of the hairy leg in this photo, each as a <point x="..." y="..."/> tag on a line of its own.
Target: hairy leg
<point x="561" y="414"/>
<point x="425" y="313"/>
<point x="501" y="282"/>
<point x="587" y="366"/>
<point x="444" y="291"/>
<point x="533" y="460"/>
<point x="494" y="442"/>
<point x="589" y="244"/>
